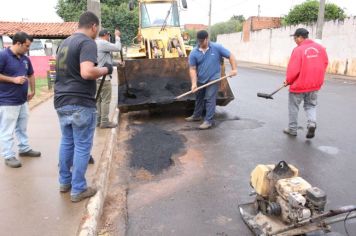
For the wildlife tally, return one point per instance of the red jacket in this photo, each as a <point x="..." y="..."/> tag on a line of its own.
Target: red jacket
<point x="306" y="67"/>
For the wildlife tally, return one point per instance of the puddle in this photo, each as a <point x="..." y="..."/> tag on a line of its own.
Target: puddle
<point x="329" y="150"/>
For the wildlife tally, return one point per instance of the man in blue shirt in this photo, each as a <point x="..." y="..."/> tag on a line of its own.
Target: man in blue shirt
<point x="16" y="74"/>
<point x="204" y="66"/>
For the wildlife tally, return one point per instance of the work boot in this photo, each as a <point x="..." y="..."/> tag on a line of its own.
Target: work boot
<point x="192" y="119"/>
<point x="311" y="131"/>
<point x="30" y="153"/>
<point x="290" y="132"/>
<point x="13" y="162"/>
<point x="206" y="125"/>
<point x="91" y="160"/>
<point x="64" y="188"/>
<point x="108" y="125"/>
<point x="89" y="192"/>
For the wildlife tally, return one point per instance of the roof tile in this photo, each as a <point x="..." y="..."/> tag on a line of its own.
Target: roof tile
<point x="39" y="30"/>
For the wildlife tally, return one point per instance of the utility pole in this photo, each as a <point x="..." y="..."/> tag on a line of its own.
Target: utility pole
<point x="209" y="26"/>
<point x="320" y="22"/>
<point x="94" y="6"/>
<point x="259" y="10"/>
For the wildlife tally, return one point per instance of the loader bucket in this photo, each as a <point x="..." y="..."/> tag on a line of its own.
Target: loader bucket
<point x="156" y="82"/>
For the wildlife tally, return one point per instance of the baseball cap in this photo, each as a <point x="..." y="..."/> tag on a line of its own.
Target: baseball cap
<point x="301" y="32"/>
<point x="103" y="32"/>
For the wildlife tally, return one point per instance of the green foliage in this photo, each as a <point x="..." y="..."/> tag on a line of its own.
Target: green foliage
<point x="119" y="16"/>
<point x="70" y="10"/>
<point x="113" y="13"/>
<point x="230" y="26"/>
<point x="307" y="12"/>
<point x="192" y="34"/>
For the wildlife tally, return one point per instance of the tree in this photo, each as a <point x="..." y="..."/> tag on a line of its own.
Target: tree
<point x="230" y="26"/>
<point x="307" y="12"/>
<point x="113" y="13"/>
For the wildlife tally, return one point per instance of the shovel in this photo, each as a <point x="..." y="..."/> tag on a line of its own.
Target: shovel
<point x="269" y="96"/>
<point x="201" y="87"/>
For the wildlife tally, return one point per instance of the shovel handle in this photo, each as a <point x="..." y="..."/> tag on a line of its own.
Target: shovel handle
<point x="203" y="86"/>
<point x="100" y="87"/>
<point x="284" y="85"/>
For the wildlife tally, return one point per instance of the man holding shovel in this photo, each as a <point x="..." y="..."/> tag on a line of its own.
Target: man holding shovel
<point x="305" y="76"/>
<point x="105" y="49"/>
<point x="204" y="67"/>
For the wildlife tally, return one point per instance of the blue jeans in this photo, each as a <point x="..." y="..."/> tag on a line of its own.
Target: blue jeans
<point x="206" y="99"/>
<point x="13" y="119"/>
<point x="77" y="126"/>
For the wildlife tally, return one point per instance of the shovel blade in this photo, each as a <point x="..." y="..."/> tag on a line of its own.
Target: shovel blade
<point x="264" y="95"/>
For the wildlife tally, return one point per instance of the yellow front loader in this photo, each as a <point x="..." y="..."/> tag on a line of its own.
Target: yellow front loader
<point x="156" y="66"/>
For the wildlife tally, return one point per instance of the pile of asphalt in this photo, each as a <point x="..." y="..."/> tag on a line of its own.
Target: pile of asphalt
<point x="154" y="90"/>
<point x="153" y="148"/>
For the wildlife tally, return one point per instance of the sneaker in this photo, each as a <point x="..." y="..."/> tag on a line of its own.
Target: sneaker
<point x="311" y="132"/>
<point x="205" y="125"/>
<point x="89" y="192"/>
<point x="13" y="162"/>
<point x="30" y="153"/>
<point x="91" y="160"/>
<point x="108" y="125"/>
<point x="192" y="119"/>
<point x="290" y="132"/>
<point x="64" y="188"/>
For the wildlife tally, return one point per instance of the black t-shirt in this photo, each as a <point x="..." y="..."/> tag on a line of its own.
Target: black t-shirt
<point x="70" y="88"/>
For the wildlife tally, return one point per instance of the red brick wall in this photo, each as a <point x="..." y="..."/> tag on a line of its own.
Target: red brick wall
<point x="246" y="29"/>
<point x="257" y="23"/>
<point x="196" y="27"/>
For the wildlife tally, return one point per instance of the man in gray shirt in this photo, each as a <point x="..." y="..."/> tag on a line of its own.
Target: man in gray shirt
<point x="105" y="49"/>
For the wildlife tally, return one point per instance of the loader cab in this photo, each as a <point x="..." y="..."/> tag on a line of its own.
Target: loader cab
<point x="159" y="14"/>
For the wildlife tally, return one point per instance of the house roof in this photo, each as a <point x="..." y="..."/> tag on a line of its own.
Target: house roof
<point x="39" y="30"/>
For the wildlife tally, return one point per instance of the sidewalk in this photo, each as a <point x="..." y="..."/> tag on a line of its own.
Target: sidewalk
<point x="30" y="202"/>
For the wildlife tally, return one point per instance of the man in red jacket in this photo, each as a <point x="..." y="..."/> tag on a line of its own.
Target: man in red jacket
<point x="305" y="75"/>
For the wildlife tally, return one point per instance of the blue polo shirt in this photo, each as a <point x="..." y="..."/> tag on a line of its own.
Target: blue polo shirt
<point x="10" y="65"/>
<point x="208" y="63"/>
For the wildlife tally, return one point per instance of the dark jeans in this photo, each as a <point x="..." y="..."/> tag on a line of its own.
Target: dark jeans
<point x="206" y="99"/>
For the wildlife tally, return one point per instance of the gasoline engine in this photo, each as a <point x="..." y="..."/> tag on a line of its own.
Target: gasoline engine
<point x="286" y="204"/>
<point x="282" y="193"/>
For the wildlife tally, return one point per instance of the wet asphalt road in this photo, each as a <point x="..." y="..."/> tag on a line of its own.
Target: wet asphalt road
<point x="199" y="193"/>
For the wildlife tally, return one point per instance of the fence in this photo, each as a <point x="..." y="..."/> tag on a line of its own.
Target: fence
<point x="274" y="46"/>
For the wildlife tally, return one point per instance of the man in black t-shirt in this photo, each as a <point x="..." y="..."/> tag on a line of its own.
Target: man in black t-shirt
<point x="74" y="100"/>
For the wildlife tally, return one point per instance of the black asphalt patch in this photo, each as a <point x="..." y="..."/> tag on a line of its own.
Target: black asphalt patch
<point x="153" y="148"/>
<point x="157" y="90"/>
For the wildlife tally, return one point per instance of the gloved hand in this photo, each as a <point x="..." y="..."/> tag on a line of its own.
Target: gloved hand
<point x="110" y="68"/>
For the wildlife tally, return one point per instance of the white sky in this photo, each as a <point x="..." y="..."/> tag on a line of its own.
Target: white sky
<point x="222" y="10"/>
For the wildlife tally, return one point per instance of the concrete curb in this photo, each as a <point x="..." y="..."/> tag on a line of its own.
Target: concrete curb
<point x="95" y="205"/>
